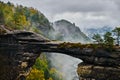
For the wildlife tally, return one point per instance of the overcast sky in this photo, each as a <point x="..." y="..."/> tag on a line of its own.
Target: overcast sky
<point x="84" y="13"/>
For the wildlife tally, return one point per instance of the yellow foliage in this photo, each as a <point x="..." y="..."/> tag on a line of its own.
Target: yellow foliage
<point x="33" y="11"/>
<point x="52" y="70"/>
<point x="50" y="79"/>
<point x="36" y="75"/>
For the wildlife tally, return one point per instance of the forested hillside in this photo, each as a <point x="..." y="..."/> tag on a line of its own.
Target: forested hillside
<point x="29" y="19"/>
<point x="23" y="18"/>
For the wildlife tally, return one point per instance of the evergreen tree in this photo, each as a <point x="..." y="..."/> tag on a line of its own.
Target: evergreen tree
<point x="117" y="33"/>
<point x="2" y="21"/>
<point x="97" y="38"/>
<point x="108" y="39"/>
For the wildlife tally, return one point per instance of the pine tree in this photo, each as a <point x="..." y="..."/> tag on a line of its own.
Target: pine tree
<point x="117" y="33"/>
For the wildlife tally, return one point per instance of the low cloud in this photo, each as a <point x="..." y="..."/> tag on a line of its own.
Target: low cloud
<point x="89" y="20"/>
<point x="85" y="13"/>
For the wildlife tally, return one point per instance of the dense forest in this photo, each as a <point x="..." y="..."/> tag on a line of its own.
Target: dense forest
<point x="23" y="18"/>
<point x="29" y="19"/>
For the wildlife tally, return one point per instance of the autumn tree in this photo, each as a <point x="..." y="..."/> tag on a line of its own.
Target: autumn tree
<point x="20" y="21"/>
<point x="36" y="75"/>
<point x="6" y="14"/>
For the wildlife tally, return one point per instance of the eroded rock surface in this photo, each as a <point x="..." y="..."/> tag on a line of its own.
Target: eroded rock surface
<point x="19" y="50"/>
<point x="92" y="72"/>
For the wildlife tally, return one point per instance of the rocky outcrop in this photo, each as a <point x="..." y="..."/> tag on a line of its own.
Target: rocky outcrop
<point x="19" y="50"/>
<point x="101" y="68"/>
<point x="67" y="31"/>
<point x="93" y="72"/>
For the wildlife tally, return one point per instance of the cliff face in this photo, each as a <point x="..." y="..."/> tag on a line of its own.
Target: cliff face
<point x="108" y="71"/>
<point x="19" y="50"/>
<point x="14" y="63"/>
<point x="68" y="31"/>
<point x="87" y="71"/>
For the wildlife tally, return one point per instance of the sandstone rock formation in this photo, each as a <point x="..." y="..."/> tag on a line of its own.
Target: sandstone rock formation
<point x="93" y="72"/>
<point x="19" y="50"/>
<point x="67" y="31"/>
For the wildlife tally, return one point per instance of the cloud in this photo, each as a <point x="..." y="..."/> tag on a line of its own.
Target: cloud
<point x="88" y="20"/>
<point x="85" y="13"/>
<point x="58" y="6"/>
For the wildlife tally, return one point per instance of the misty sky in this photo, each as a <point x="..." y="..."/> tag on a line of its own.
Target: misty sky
<point x="85" y="13"/>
